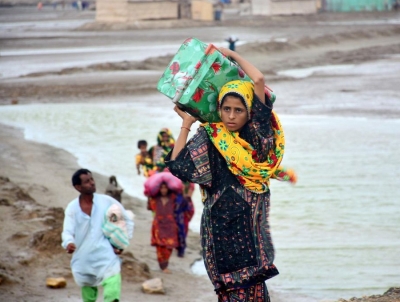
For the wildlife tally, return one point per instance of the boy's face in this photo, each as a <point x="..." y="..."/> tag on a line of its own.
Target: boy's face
<point x="143" y="148"/>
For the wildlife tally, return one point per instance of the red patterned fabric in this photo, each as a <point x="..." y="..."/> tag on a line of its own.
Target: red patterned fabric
<point x="163" y="255"/>
<point x="164" y="231"/>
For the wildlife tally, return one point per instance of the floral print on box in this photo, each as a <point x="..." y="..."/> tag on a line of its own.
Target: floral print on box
<point x="194" y="77"/>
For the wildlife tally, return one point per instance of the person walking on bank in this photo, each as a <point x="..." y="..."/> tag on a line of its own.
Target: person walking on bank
<point x="143" y="159"/>
<point x="165" y="143"/>
<point x="95" y="260"/>
<point x="233" y="160"/>
<point x="166" y="230"/>
<point x="185" y="214"/>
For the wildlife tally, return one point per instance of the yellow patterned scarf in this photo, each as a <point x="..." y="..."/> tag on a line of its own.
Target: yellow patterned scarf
<point x="243" y="89"/>
<point x="238" y="153"/>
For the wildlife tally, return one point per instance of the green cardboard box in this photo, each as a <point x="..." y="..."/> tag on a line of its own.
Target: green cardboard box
<point x="194" y="77"/>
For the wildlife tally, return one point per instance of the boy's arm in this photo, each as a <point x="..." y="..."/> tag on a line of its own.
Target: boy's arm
<point x="138" y="163"/>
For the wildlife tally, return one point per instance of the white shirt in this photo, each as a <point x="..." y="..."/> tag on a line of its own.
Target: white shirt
<point x="94" y="259"/>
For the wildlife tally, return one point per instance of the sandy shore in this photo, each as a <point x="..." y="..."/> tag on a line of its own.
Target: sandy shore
<point x="43" y="172"/>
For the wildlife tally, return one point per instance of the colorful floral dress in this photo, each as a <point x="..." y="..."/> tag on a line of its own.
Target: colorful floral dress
<point x="164" y="231"/>
<point x="146" y="162"/>
<point x="235" y="234"/>
<point x="167" y="230"/>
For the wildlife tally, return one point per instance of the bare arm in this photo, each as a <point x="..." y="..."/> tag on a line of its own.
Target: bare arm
<point x="138" y="163"/>
<point x="255" y="75"/>
<point x="187" y="122"/>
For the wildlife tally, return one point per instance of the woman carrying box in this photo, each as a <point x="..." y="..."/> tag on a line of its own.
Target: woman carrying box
<point x="232" y="161"/>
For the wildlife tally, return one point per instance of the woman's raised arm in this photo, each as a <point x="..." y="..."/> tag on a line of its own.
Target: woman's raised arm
<point x="187" y="122"/>
<point x="255" y="75"/>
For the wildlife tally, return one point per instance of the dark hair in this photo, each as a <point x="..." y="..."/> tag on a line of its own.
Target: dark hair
<point x="169" y="190"/>
<point x="76" y="178"/>
<point x="141" y="143"/>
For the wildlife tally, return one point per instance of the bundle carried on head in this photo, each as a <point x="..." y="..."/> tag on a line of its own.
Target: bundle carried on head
<point x="195" y="75"/>
<point x="153" y="184"/>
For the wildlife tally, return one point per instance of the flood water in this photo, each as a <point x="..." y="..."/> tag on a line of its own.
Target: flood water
<point x="336" y="232"/>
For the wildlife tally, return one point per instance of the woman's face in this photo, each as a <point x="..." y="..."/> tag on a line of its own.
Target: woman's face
<point x="165" y="137"/>
<point x="163" y="190"/>
<point x="233" y="113"/>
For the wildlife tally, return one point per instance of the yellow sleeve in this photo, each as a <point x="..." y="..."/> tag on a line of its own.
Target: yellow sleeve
<point x="138" y="159"/>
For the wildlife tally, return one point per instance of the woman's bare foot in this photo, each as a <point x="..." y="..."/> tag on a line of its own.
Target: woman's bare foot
<point x="166" y="271"/>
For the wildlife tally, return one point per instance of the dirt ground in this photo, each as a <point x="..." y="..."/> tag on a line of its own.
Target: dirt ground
<point x="34" y="182"/>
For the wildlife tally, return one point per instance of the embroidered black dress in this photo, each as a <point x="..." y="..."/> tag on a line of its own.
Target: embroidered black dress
<point x="235" y="235"/>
